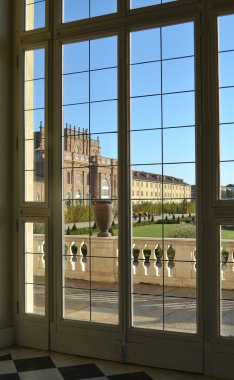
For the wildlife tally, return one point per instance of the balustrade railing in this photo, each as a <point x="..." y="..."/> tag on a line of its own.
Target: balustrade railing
<point x="154" y="261"/>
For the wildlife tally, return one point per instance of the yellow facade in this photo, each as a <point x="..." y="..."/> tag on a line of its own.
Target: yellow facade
<point x="155" y="188"/>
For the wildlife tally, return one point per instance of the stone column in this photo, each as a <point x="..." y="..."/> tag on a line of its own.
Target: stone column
<point x="6" y="187"/>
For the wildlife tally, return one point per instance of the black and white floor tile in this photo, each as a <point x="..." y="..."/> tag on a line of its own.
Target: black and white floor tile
<point x="29" y="364"/>
<point x="44" y="367"/>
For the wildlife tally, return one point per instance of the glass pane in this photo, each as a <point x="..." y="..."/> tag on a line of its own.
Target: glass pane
<point x="141" y="46"/>
<point x="34" y="126"/>
<point x="226" y="114"/>
<point x="145" y="79"/>
<point x="178" y="75"/>
<point x="35" y="267"/>
<point x="178" y="109"/>
<point x="98" y="92"/>
<point x="74" y="10"/>
<point x="76" y="88"/>
<point x="227" y="280"/>
<point x="146" y="112"/>
<point x="178" y="41"/>
<point x="163" y="187"/>
<point x="151" y="151"/>
<point x="90" y="186"/>
<point x="179" y="151"/>
<point x="35" y="11"/>
<point x="147" y="3"/>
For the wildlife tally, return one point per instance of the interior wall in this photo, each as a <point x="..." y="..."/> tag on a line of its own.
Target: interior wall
<point x="6" y="203"/>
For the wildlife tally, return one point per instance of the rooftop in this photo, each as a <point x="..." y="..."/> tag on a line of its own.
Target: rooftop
<point x="153" y="177"/>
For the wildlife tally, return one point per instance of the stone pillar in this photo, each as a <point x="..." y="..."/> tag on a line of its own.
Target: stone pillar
<point x="6" y="187"/>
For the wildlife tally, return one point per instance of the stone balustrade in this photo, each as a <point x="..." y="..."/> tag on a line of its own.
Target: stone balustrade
<point x="177" y="267"/>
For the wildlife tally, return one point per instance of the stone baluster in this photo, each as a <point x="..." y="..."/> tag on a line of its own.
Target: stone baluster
<point x="140" y="271"/>
<point x="66" y="257"/>
<point x="146" y="256"/>
<point x="194" y="262"/>
<point x="171" y="257"/>
<point x="42" y="250"/>
<point x="232" y="261"/>
<point x="117" y="259"/>
<point x="223" y="263"/>
<point x="73" y="250"/>
<point x="135" y="256"/>
<point x="158" y="252"/>
<point x="65" y="252"/>
<point x="83" y="252"/>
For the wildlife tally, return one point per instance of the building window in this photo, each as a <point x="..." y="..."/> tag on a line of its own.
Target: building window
<point x="68" y="199"/>
<point x="105" y="194"/>
<point x="78" y="197"/>
<point x="68" y="178"/>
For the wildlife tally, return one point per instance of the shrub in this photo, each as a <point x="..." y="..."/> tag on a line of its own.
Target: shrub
<point x="38" y="228"/>
<point x="111" y="231"/>
<point x="74" y="228"/>
<point x="184" y="231"/>
<point x="79" y="213"/>
<point x="168" y="221"/>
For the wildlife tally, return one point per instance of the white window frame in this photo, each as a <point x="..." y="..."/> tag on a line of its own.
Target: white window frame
<point x="212" y="211"/>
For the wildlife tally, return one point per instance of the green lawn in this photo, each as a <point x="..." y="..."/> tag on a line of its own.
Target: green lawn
<point x="157" y="230"/>
<point x="229" y="235"/>
<point x="154" y="230"/>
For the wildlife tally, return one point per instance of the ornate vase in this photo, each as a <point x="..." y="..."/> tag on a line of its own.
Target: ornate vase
<point x="104" y="216"/>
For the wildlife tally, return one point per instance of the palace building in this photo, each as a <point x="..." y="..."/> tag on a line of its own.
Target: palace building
<point x="89" y="175"/>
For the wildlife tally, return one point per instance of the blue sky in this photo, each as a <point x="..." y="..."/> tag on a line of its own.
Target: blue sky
<point x="74" y="10"/>
<point x="162" y="93"/>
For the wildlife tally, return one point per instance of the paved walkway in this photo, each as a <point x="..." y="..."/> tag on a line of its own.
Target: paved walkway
<point x="153" y="307"/>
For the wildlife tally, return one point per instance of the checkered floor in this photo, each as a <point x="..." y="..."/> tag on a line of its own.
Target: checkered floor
<point x="30" y="364"/>
<point x="45" y="368"/>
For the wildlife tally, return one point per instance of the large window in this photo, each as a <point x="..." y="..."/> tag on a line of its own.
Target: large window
<point x="35" y="12"/>
<point x="90" y="122"/>
<point x="162" y="119"/>
<point x="124" y="123"/>
<point x="226" y="113"/>
<point x="35" y="130"/>
<point x="35" y="261"/>
<point x="147" y="3"/>
<point x="74" y="10"/>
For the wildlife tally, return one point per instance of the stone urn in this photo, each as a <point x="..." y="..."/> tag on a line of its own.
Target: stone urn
<point x="104" y="216"/>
